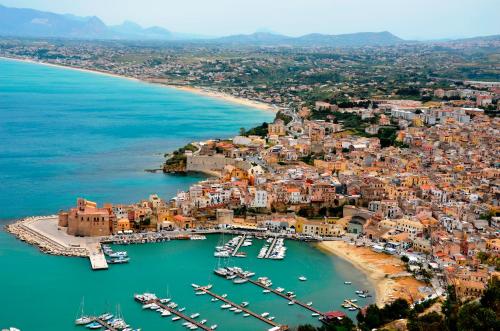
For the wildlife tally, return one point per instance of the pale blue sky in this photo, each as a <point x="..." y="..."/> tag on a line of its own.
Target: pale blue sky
<point x="409" y="19"/>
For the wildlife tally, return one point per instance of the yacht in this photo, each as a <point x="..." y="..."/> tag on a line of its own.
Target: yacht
<point x="310" y="303"/>
<point x="291" y="303"/>
<point x="302" y="278"/>
<point x="93" y="326"/>
<point x="203" y="321"/>
<point x="240" y="280"/>
<point x="244" y="304"/>
<point x="201" y="293"/>
<point x="180" y="310"/>
<point x="195" y="315"/>
<point x="214" y="299"/>
<point x="266" y="291"/>
<point x="314" y="314"/>
<point x="176" y="318"/>
<point x="265" y="314"/>
<point x="106" y="316"/>
<point x="213" y="327"/>
<point x="246" y="314"/>
<point x="83" y="320"/>
<point x="225" y="306"/>
<point x="271" y="318"/>
<point x="166" y="313"/>
<point x="195" y="285"/>
<point x="237" y="311"/>
<point x="347" y="283"/>
<point x="280" y="289"/>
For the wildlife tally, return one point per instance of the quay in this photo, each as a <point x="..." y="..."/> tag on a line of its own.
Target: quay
<point x="300" y="303"/>
<point x="181" y="315"/>
<point x="97" y="258"/>
<point x="106" y="325"/>
<point x="349" y="302"/>
<point x="276" y="326"/>
<point x="271" y="247"/>
<point x="242" y="240"/>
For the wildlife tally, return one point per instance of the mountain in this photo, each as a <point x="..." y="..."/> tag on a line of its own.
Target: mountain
<point x="314" y="39"/>
<point x="33" y="23"/>
<point x="131" y="30"/>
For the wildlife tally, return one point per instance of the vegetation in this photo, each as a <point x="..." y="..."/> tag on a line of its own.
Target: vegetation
<point x="376" y="317"/>
<point x="346" y="324"/>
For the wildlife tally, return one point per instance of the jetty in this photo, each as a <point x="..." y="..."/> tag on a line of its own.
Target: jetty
<point x="97" y="258"/>
<point x="271" y="247"/>
<point x="284" y="296"/>
<point x="352" y="304"/>
<point x="238" y="246"/>
<point x="105" y="324"/>
<point x="276" y="326"/>
<point x="178" y="313"/>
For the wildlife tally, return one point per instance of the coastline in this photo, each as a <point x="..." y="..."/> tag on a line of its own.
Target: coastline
<point x="385" y="272"/>
<point x="191" y="89"/>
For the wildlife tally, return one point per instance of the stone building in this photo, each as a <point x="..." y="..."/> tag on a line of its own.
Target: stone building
<point x="87" y="219"/>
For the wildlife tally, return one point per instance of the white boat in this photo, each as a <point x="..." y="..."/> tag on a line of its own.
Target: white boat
<point x="147" y="306"/>
<point x="280" y="289"/>
<point x="176" y="318"/>
<point x="352" y="308"/>
<point x="271" y="318"/>
<point x="233" y="309"/>
<point x="214" y="299"/>
<point x="181" y="309"/>
<point x="265" y="314"/>
<point x="291" y="303"/>
<point x="224" y="295"/>
<point x="195" y="285"/>
<point x="166" y="313"/>
<point x="237" y="311"/>
<point x="213" y="327"/>
<point x="195" y="315"/>
<point x="201" y="293"/>
<point x="347" y="283"/>
<point x="310" y="303"/>
<point x="240" y="281"/>
<point x="203" y="321"/>
<point x="266" y="291"/>
<point x="225" y="306"/>
<point x="244" y="304"/>
<point x="302" y="278"/>
<point x="83" y="320"/>
<point x="167" y="300"/>
<point x="246" y="314"/>
<point x="314" y="314"/>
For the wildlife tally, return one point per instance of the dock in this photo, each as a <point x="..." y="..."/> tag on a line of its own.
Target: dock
<point x="242" y="240"/>
<point x="349" y="302"/>
<point x="97" y="258"/>
<point x="271" y="247"/>
<point x="104" y="324"/>
<point x="300" y="303"/>
<point x="181" y="315"/>
<point x="245" y="310"/>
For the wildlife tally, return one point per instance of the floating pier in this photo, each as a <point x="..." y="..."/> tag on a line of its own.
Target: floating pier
<point x="271" y="247"/>
<point x="242" y="240"/>
<point x="178" y="313"/>
<point x="300" y="303"/>
<point x="276" y="326"/>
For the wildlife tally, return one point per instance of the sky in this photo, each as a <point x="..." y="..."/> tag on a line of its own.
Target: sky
<point x="408" y="19"/>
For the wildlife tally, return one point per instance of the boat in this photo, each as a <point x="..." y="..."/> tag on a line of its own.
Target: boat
<point x="347" y="283"/>
<point x="302" y="278"/>
<point x="83" y="320"/>
<point x="237" y="311"/>
<point x="280" y="289"/>
<point x="246" y="314"/>
<point x="195" y="285"/>
<point x="310" y="303"/>
<point x="147" y="306"/>
<point x="266" y="291"/>
<point x="233" y="308"/>
<point x="201" y="293"/>
<point x="224" y="295"/>
<point x="194" y="315"/>
<point x="240" y="281"/>
<point x="181" y="309"/>
<point x="271" y="318"/>
<point x="291" y="303"/>
<point x="362" y="295"/>
<point x="165" y="300"/>
<point x="106" y="316"/>
<point x="93" y="326"/>
<point x="213" y="327"/>
<point x="352" y="308"/>
<point x="265" y="314"/>
<point x="225" y="306"/>
<point x="354" y="300"/>
<point x="119" y="260"/>
<point x="154" y="306"/>
<point x="244" y="304"/>
<point x="175" y="318"/>
<point x="203" y="321"/>
<point x="166" y="313"/>
<point x="314" y="314"/>
<point x="214" y="299"/>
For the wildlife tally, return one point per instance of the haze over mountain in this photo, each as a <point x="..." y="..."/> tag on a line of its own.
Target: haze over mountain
<point x="24" y="22"/>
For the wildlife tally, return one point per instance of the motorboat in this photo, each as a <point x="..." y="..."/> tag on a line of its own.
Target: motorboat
<point x="180" y="310"/>
<point x="213" y="327"/>
<point x="291" y="303"/>
<point x="194" y="315"/>
<point x="302" y="278"/>
<point x="265" y="314"/>
<point x="347" y="283"/>
<point x="175" y="318"/>
<point x="93" y="326"/>
<point x="225" y="306"/>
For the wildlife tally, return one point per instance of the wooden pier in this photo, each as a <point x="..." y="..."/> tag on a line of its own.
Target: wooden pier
<point x="349" y="302"/>
<point x="239" y="245"/>
<point x="245" y="310"/>
<point x="105" y="324"/>
<point x="181" y="315"/>
<point x="295" y="301"/>
<point x="271" y="247"/>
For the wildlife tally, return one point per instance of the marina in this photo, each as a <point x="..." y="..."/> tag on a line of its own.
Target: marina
<point x="149" y="299"/>
<point x="262" y="317"/>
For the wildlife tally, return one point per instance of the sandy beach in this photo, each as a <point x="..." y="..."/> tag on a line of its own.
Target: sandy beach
<point x="381" y="269"/>
<point x="192" y="89"/>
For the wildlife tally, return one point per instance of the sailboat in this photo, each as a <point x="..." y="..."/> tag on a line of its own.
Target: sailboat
<point x="82" y="319"/>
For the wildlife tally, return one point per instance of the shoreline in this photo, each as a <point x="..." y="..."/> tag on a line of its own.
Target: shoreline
<point x="385" y="272"/>
<point x="207" y="92"/>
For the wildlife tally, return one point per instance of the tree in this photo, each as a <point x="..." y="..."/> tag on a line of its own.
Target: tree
<point x="472" y="316"/>
<point x="491" y="297"/>
<point x="405" y="259"/>
<point x="428" y="322"/>
<point x="450" y="309"/>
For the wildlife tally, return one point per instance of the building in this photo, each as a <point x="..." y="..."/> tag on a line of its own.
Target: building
<point x="87" y="220"/>
<point x="277" y="128"/>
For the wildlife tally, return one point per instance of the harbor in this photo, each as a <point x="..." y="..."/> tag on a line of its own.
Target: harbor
<point x="242" y="308"/>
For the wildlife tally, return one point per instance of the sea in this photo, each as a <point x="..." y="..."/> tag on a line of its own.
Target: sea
<point x="66" y="134"/>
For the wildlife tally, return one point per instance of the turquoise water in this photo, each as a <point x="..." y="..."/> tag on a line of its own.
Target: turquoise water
<point x="66" y="133"/>
<point x="50" y="288"/>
